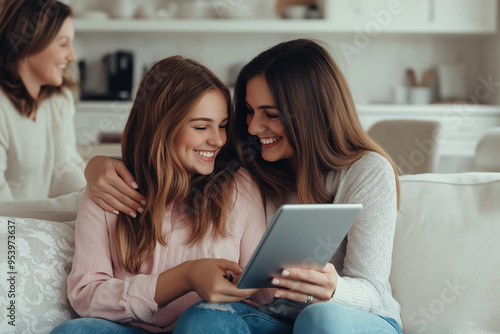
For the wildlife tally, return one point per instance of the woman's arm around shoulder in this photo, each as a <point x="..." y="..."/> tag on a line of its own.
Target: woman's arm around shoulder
<point x="113" y="187"/>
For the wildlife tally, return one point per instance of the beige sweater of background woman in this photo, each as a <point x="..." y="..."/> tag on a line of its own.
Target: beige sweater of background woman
<point x="38" y="159"/>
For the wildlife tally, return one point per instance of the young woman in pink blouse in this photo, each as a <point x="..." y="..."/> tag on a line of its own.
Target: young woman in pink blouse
<point x="202" y="219"/>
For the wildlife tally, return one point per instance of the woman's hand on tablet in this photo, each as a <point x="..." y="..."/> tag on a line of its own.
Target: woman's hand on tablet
<point x="211" y="280"/>
<point x="302" y="283"/>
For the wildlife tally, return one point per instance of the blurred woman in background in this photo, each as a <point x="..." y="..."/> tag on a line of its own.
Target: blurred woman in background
<point x="38" y="157"/>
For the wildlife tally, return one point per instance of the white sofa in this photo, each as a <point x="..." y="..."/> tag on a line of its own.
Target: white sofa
<point x="445" y="272"/>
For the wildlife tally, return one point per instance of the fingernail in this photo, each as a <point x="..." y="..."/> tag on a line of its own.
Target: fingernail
<point x="285" y="273"/>
<point x="133" y="215"/>
<point x="275" y="281"/>
<point x="141" y="210"/>
<point x="143" y="202"/>
<point x="277" y="294"/>
<point x="135" y="185"/>
<point x="116" y="212"/>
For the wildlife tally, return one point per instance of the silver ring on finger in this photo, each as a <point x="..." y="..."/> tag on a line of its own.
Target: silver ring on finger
<point x="309" y="300"/>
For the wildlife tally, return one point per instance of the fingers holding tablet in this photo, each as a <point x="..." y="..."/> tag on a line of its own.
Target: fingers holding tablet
<point x="300" y="283"/>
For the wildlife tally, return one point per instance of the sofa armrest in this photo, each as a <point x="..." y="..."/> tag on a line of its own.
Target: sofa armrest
<point x="445" y="258"/>
<point x="63" y="208"/>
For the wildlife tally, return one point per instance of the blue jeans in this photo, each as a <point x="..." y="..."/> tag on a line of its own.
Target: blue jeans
<point x="336" y="318"/>
<point x="95" y="326"/>
<point x="241" y="318"/>
<point x="230" y="318"/>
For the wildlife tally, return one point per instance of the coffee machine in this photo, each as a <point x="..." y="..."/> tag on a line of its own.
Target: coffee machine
<point x="119" y="69"/>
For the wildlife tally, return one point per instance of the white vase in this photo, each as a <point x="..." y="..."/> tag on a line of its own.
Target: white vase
<point x="122" y="9"/>
<point x="236" y="9"/>
<point x="267" y="9"/>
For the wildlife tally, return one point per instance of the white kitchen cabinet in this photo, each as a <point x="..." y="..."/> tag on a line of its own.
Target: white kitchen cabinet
<point x="378" y="16"/>
<point x="351" y="16"/>
<point x="464" y="15"/>
<point x="94" y="118"/>
<point x="87" y="150"/>
<point x="413" y="16"/>
<point x="462" y="126"/>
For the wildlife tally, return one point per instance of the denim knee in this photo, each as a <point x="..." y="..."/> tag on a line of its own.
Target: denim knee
<point x="329" y="317"/>
<point x="94" y="326"/>
<point x="316" y="318"/>
<point x="210" y="318"/>
<point x="80" y="325"/>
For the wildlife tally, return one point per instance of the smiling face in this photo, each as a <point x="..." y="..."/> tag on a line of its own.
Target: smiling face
<point x="47" y="66"/>
<point x="204" y="134"/>
<point x="264" y="122"/>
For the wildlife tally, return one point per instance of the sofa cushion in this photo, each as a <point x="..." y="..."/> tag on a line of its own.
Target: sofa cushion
<point x="34" y="288"/>
<point x="446" y="253"/>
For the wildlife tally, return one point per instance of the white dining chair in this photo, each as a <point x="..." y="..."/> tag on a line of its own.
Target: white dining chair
<point x="487" y="155"/>
<point x="411" y="144"/>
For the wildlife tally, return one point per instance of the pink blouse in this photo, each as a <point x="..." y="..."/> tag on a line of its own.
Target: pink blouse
<point x="97" y="288"/>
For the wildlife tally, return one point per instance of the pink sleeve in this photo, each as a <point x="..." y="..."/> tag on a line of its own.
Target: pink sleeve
<point x="92" y="288"/>
<point x="249" y="202"/>
<point x="255" y="227"/>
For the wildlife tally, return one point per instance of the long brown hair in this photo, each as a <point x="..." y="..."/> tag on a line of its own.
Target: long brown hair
<point x="26" y="28"/>
<point x="167" y="94"/>
<point x="319" y="117"/>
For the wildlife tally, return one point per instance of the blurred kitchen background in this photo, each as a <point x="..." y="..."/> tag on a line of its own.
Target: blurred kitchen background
<point x="433" y="60"/>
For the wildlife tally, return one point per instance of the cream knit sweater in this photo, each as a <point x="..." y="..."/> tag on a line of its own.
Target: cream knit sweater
<point x="39" y="159"/>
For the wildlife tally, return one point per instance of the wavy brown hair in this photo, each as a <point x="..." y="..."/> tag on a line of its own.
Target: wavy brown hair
<point x="319" y="116"/>
<point x="167" y="94"/>
<point x="26" y="28"/>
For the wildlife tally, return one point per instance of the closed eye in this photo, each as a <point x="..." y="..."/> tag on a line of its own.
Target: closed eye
<point x="271" y="116"/>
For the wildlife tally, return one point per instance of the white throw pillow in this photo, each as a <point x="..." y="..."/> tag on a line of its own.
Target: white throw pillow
<point x="34" y="282"/>
<point x="445" y="269"/>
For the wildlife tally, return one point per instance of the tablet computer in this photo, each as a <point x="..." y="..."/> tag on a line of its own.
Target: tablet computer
<point x="299" y="234"/>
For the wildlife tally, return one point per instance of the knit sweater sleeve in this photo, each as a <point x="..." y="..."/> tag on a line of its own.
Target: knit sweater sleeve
<point x="364" y="277"/>
<point x="68" y="170"/>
